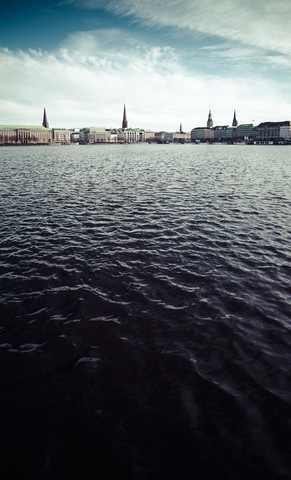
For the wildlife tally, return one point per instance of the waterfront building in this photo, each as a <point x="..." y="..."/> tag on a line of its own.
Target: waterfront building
<point x="8" y="134"/>
<point x="245" y="131"/>
<point x="273" y="131"/>
<point x="188" y="137"/>
<point x="179" y="137"/>
<point x="200" y="133"/>
<point x="132" y="135"/>
<point x="163" y="137"/>
<point x="149" y="135"/>
<point x="285" y="131"/>
<point x="61" y="136"/>
<point x="230" y="133"/>
<point x="113" y="136"/>
<point x="94" y="135"/>
<point x="219" y="133"/>
<point x="74" y="135"/>
<point x="22" y="135"/>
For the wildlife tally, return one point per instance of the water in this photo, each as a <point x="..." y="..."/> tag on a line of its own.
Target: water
<point x="145" y="306"/>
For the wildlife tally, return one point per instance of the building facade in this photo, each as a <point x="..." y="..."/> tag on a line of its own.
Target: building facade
<point x="245" y="131"/>
<point x="132" y="135"/>
<point x="219" y="133"/>
<point x="200" y="133"/>
<point x="61" y="136"/>
<point x="180" y="137"/>
<point x="163" y="137"/>
<point x="285" y="131"/>
<point x="275" y="131"/>
<point x="94" y="135"/>
<point x="149" y="135"/>
<point x="22" y="135"/>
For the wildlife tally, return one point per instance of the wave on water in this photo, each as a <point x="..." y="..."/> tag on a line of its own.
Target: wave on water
<point x="145" y="312"/>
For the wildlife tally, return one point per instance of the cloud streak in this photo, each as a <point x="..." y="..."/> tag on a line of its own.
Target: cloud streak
<point x="264" y="23"/>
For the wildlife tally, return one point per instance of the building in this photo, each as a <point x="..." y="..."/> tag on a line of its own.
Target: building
<point x="285" y="131"/>
<point x="275" y="131"/>
<point x="200" y="134"/>
<point x="245" y="131"/>
<point x="149" y="135"/>
<point x="94" y="135"/>
<point x="131" y="135"/>
<point x="178" y="137"/>
<point x="230" y="133"/>
<point x="163" y="137"/>
<point x="219" y="133"/>
<point x="113" y="136"/>
<point x="74" y="135"/>
<point x="61" y="136"/>
<point x="26" y="135"/>
<point x="23" y="135"/>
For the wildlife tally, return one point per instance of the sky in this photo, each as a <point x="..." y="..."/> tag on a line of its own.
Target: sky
<point x="168" y="61"/>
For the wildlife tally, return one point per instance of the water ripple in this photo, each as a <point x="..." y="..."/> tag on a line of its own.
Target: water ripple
<point x="145" y="306"/>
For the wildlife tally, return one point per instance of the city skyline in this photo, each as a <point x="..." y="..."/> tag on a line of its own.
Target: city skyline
<point x="168" y="62"/>
<point x="123" y="124"/>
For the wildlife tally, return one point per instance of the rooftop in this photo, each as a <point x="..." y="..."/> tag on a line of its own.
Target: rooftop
<point x="23" y="127"/>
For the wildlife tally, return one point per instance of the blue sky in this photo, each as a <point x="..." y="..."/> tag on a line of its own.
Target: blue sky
<point x="168" y="61"/>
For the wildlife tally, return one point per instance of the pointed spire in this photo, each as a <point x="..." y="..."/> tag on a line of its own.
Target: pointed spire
<point x="45" y="122"/>
<point x="234" y="122"/>
<point x="124" y="121"/>
<point x="210" y="121"/>
<point x="181" y="130"/>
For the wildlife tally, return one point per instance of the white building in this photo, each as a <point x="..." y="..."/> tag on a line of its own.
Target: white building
<point x="61" y="136"/>
<point x="132" y="135"/>
<point x="94" y="135"/>
<point x="285" y="131"/>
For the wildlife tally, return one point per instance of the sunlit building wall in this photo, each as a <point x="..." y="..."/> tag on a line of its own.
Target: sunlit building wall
<point x="20" y="134"/>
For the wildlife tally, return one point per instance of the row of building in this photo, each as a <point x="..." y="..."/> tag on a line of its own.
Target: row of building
<point x="22" y="135"/>
<point x="266" y="132"/>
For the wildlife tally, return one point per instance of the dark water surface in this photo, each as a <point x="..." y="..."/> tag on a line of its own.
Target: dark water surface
<point x="145" y="312"/>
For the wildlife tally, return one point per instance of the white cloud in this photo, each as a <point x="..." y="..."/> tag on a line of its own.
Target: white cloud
<point x="86" y="81"/>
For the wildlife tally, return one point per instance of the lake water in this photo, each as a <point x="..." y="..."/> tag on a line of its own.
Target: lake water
<point x="145" y="312"/>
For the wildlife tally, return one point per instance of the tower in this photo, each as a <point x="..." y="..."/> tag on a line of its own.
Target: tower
<point x="210" y="121"/>
<point x="181" y="130"/>
<point x="45" y="122"/>
<point x="234" y="122"/>
<point x="124" y="121"/>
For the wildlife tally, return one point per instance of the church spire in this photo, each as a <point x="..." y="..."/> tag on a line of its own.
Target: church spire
<point x="234" y="122"/>
<point x="210" y="121"/>
<point x="45" y="122"/>
<point x="124" y="121"/>
<point x="181" y="130"/>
